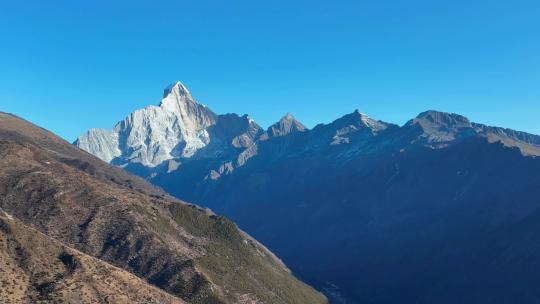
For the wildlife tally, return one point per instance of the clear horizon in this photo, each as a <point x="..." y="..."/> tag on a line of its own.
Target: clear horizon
<point x="69" y="66"/>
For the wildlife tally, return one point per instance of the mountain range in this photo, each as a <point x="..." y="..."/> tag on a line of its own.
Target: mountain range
<point x="438" y="210"/>
<point x="74" y="229"/>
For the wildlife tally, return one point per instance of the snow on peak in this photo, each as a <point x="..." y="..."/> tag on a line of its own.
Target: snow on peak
<point x="287" y="117"/>
<point x="177" y="99"/>
<point x="150" y="136"/>
<point x="360" y="119"/>
<point x="176" y="88"/>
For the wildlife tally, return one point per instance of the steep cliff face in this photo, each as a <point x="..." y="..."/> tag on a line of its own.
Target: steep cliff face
<point x="103" y="212"/>
<point x="175" y="128"/>
<point x="179" y="128"/>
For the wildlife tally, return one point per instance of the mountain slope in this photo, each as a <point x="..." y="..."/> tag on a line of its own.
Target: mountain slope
<point x="419" y="216"/>
<point x="106" y="213"/>
<point x="38" y="268"/>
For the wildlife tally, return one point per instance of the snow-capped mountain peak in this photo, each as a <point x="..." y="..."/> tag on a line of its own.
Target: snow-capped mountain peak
<point x="150" y="136"/>
<point x="175" y="97"/>
<point x="176" y="88"/>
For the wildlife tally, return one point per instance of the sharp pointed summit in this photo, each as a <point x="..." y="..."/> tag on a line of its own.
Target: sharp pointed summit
<point x="176" y="96"/>
<point x="150" y="136"/>
<point x="357" y="120"/>
<point x="177" y="88"/>
<point x="286" y="125"/>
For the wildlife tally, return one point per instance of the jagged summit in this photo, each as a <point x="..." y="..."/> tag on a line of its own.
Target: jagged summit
<point x="358" y="120"/>
<point x="286" y="125"/>
<point x="177" y="88"/>
<point x="178" y="129"/>
<point x="287" y="116"/>
<point x="176" y="96"/>
<point x="150" y="136"/>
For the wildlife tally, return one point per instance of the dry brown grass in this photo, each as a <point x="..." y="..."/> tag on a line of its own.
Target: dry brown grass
<point x="37" y="269"/>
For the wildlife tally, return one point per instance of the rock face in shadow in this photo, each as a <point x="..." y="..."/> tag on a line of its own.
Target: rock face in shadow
<point x="435" y="211"/>
<point x="178" y="251"/>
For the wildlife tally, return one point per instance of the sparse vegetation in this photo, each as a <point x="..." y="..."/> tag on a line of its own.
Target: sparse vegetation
<point x="71" y="223"/>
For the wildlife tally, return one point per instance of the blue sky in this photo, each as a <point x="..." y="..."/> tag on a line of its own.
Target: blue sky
<point x="72" y="65"/>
